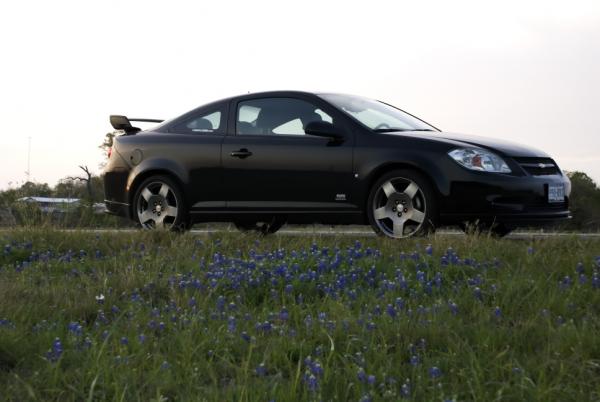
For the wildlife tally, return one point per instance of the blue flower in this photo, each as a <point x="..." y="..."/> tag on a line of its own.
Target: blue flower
<point x="429" y="249"/>
<point x="435" y="372"/>
<point x="498" y="312"/>
<point x="414" y="360"/>
<point x="261" y="370"/>
<point x="371" y="379"/>
<point x="361" y="375"/>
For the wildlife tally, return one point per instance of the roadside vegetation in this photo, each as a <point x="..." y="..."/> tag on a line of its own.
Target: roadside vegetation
<point x="141" y="316"/>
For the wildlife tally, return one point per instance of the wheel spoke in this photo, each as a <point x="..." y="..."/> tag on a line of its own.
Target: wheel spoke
<point x="388" y="188"/>
<point x="399" y="227"/>
<point x="146" y="194"/>
<point x="380" y="213"/>
<point x="160" y="222"/>
<point x="411" y="189"/>
<point x="146" y="216"/>
<point x="417" y="216"/>
<point x="170" y="211"/>
<point x="164" y="190"/>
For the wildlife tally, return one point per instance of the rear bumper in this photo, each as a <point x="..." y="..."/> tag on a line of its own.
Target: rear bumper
<point x="118" y="208"/>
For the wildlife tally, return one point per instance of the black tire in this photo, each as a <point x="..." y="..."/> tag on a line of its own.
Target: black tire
<point x="263" y="228"/>
<point x="402" y="210"/>
<point x="156" y="208"/>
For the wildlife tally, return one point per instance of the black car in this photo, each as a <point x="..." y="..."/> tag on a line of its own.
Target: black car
<point x="261" y="160"/>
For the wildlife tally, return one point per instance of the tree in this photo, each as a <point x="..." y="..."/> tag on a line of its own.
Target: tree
<point x="584" y="202"/>
<point x="107" y="144"/>
<point x="87" y="179"/>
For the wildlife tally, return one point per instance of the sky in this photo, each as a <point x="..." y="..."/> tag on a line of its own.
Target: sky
<point x="525" y="71"/>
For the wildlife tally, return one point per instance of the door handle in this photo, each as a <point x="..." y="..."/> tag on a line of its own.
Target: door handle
<point x="241" y="153"/>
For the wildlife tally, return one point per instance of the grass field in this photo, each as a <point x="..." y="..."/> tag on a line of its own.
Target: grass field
<point x="230" y="317"/>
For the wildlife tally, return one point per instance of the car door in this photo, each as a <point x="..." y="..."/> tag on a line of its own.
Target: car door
<point x="270" y="164"/>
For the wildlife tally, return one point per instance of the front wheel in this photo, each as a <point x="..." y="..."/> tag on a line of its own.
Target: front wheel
<point x="158" y="204"/>
<point x="402" y="204"/>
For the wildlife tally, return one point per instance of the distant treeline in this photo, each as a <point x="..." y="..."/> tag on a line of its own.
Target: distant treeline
<point x="584" y="203"/>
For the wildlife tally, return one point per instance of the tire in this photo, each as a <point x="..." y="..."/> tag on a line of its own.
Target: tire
<point x="402" y="204"/>
<point x="159" y="204"/>
<point x="497" y="230"/>
<point x="263" y="228"/>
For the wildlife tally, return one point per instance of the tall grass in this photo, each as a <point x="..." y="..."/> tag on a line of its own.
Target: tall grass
<point x="157" y="316"/>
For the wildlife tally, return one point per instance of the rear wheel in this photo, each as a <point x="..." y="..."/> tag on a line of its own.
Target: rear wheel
<point x="262" y="227"/>
<point x="158" y="204"/>
<point x="402" y="204"/>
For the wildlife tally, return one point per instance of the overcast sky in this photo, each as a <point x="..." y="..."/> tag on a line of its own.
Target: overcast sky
<point x="527" y="71"/>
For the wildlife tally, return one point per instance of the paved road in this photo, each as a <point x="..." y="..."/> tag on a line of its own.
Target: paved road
<point x="356" y="231"/>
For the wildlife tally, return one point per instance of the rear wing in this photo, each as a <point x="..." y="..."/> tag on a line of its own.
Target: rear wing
<point x="124" y="123"/>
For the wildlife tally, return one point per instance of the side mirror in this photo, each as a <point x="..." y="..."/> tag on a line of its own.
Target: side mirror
<point x="322" y="129"/>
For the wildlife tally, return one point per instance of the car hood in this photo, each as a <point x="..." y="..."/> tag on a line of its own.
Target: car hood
<point x="504" y="147"/>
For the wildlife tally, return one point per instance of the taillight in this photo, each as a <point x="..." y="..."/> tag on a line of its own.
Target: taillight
<point x="109" y="152"/>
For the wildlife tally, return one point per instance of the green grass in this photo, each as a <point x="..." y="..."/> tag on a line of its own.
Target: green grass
<point x="542" y="345"/>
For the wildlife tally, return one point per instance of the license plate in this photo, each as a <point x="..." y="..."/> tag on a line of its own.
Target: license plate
<point x="556" y="193"/>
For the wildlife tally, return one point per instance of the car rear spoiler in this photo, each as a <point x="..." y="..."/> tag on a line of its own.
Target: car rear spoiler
<point x="124" y="123"/>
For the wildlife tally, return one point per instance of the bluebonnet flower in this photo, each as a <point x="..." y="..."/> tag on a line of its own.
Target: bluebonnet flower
<point x="261" y="370"/>
<point x="405" y="390"/>
<point x="565" y="283"/>
<point x="75" y="328"/>
<point x="371" y="379"/>
<point x="366" y="398"/>
<point x="429" y="249"/>
<point x="165" y="365"/>
<point x="391" y="311"/>
<point x="245" y="336"/>
<point x="530" y="250"/>
<point x="124" y="341"/>
<point x="414" y="360"/>
<point x="435" y="372"/>
<point x="100" y="299"/>
<point x="498" y="312"/>
<point x="312" y="383"/>
<point x="477" y="294"/>
<point x="284" y="315"/>
<point x="361" y="375"/>
<point x="231" y="324"/>
<point x="55" y="352"/>
<point x="142" y="338"/>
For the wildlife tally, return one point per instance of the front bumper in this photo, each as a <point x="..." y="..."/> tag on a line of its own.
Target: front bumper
<point x="517" y="200"/>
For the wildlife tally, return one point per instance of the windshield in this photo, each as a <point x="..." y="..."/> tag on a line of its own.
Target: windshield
<point x="377" y="115"/>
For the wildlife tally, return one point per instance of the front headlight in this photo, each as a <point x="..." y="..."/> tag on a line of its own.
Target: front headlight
<point x="479" y="159"/>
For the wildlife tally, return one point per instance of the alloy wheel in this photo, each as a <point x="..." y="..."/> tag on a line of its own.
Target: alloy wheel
<point x="399" y="207"/>
<point x="157" y="206"/>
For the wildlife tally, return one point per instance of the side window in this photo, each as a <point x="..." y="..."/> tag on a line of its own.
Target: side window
<point x="273" y="116"/>
<point x="206" y="122"/>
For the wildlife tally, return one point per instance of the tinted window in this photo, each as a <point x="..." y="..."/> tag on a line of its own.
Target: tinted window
<point x="272" y="116"/>
<point x="206" y="122"/>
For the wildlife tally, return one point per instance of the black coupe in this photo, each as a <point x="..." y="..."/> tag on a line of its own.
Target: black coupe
<point x="261" y="160"/>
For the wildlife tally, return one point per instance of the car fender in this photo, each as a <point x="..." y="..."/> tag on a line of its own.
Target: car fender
<point x="158" y="165"/>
